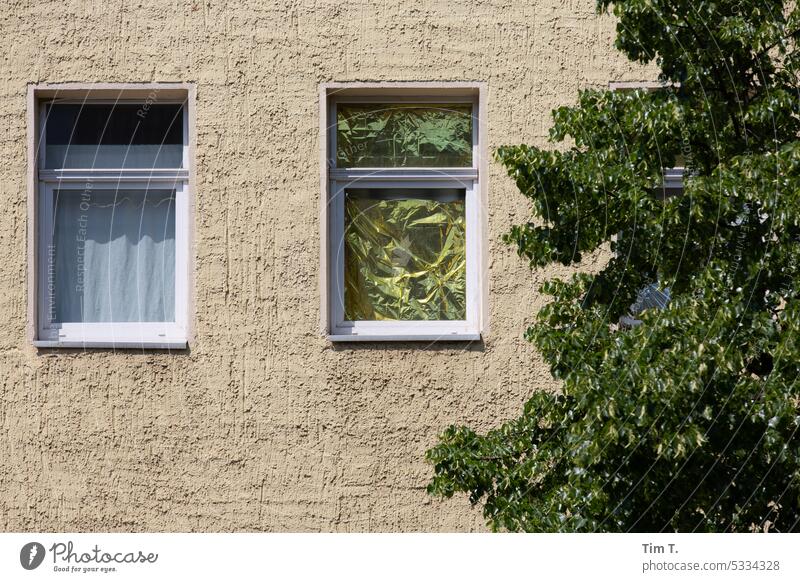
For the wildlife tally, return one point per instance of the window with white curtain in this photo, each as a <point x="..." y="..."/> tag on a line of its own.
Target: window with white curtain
<point x="112" y="222"/>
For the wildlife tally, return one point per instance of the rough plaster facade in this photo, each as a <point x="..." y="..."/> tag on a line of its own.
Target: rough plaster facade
<point x="263" y="424"/>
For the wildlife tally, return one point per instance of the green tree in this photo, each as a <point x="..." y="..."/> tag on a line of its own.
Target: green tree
<point x="685" y="418"/>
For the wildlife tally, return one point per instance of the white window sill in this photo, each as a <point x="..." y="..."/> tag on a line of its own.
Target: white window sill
<point x="417" y="337"/>
<point x="120" y="345"/>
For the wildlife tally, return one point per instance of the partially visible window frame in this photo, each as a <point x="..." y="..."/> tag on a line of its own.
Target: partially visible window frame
<point x="673" y="177"/>
<point x="334" y="181"/>
<point x="41" y="182"/>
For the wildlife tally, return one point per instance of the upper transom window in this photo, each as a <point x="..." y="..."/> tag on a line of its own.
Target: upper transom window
<point x="404" y="135"/>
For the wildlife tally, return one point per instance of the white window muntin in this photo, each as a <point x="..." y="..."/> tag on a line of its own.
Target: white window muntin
<point x="157" y="335"/>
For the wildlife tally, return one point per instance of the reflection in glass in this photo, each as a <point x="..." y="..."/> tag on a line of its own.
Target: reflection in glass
<point x="118" y="136"/>
<point x="114" y="255"/>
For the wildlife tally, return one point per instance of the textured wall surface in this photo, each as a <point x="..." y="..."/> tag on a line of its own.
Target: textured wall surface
<point x="263" y="424"/>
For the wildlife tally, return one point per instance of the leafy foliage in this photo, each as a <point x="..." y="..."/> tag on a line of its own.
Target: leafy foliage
<point x="405" y="259"/>
<point x="374" y="135"/>
<point x="689" y="421"/>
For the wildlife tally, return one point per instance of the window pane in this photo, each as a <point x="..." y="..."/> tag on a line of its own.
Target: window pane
<point x="114" y="255"/>
<point x="405" y="254"/>
<point x="374" y="135"/>
<point x="114" y="136"/>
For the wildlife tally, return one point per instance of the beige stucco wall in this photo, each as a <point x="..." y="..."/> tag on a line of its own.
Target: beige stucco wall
<point x="263" y="424"/>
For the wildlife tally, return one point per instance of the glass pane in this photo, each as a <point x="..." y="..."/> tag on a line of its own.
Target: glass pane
<point x="376" y="135"/>
<point x="114" y="255"/>
<point x="114" y="136"/>
<point x="405" y="254"/>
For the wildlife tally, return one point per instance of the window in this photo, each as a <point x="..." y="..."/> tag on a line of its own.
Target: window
<point x="403" y="219"/>
<point x="673" y="177"/>
<point x="652" y="295"/>
<point x="111" y="212"/>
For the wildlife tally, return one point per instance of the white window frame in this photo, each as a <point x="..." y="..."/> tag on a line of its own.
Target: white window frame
<point x="44" y="182"/>
<point x="672" y="179"/>
<point x="336" y="180"/>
